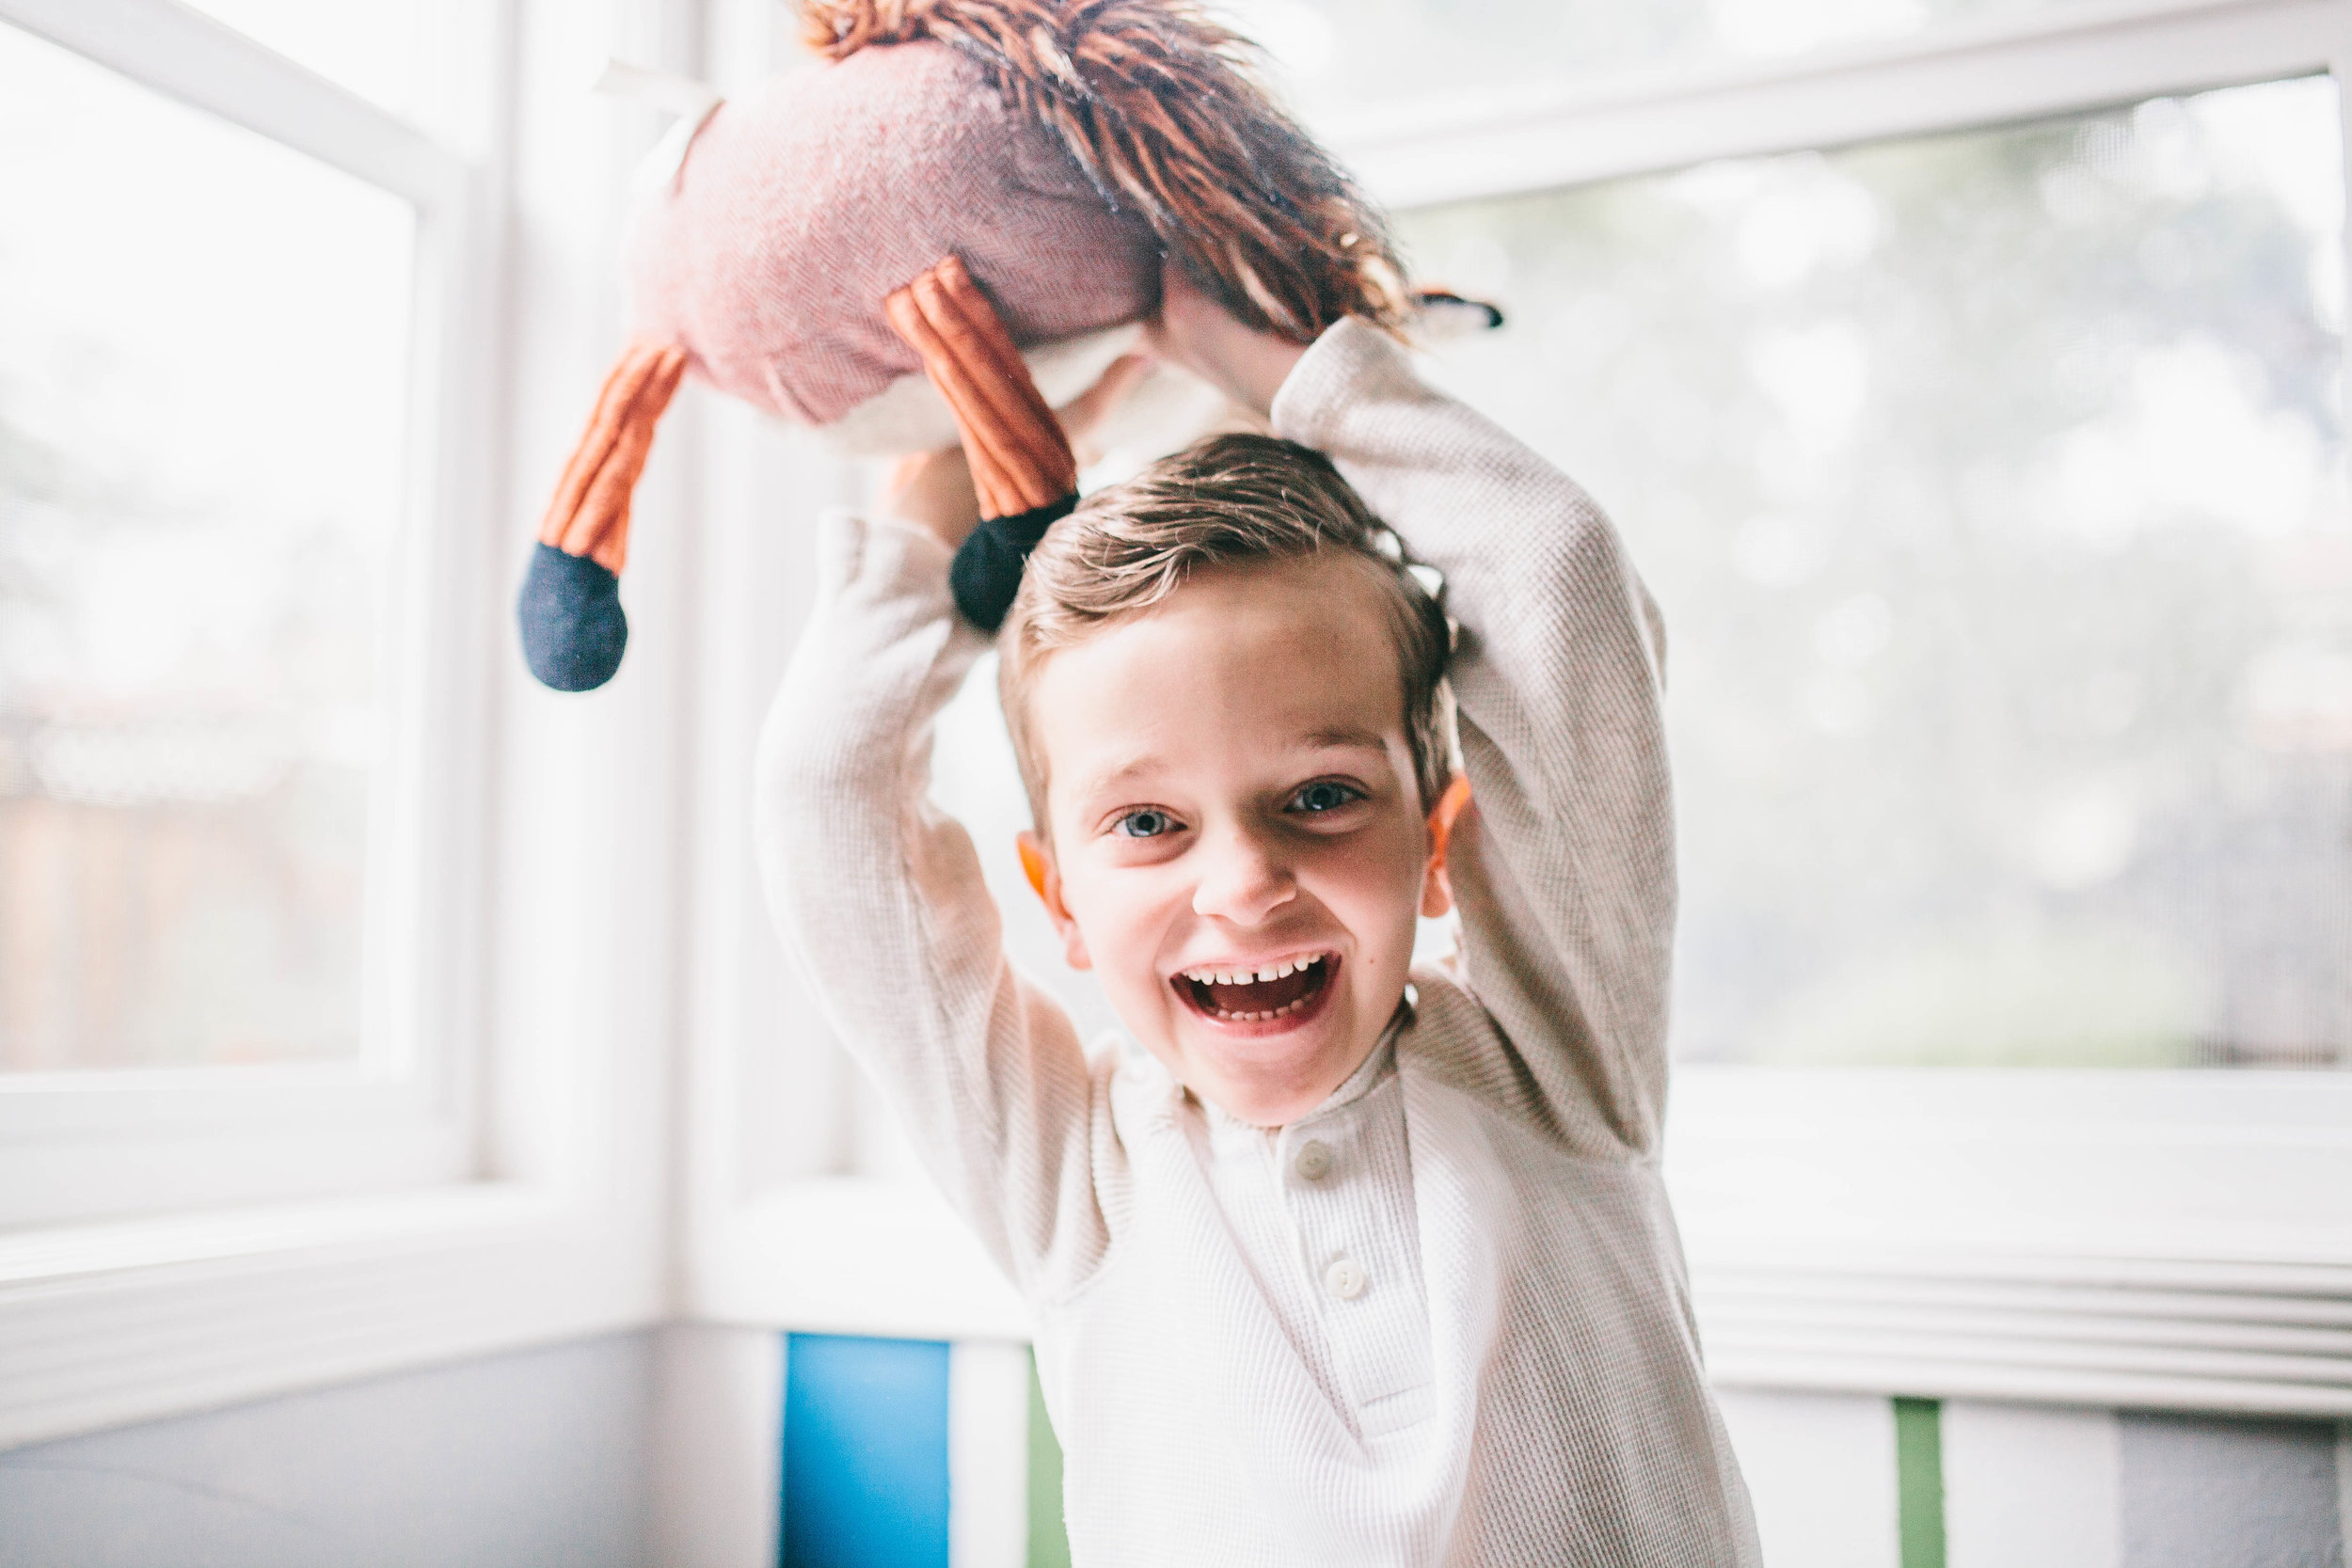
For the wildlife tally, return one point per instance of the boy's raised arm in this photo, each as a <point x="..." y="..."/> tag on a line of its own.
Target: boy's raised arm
<point x="879" y="898"/>
<point x="878" y="895"/>
<point x="1564" y="869"/>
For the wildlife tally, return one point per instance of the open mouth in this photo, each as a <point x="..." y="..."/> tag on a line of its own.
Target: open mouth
<point x="1285" y="989"/>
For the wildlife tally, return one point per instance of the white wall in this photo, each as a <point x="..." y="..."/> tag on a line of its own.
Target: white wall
<point x="535" y="1457"/>
<point x="2206" y="1491"/>
<point x="2046" y="1486"/>
<point x="661" y="1447"/>
<point x="717" y="1439"/>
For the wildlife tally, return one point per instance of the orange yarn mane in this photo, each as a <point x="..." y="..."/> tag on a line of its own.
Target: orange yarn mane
<point x="1158" y="105"/>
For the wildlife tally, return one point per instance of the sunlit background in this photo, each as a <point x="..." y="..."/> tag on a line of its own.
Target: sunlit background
<point x="1990" y="488"/>
<point x="204" y="374"/>
<point x="1990" y="484"/>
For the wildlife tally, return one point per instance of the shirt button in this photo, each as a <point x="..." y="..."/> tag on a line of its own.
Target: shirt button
<point x="1314" y="1161"/>
<point x="1345" y="1279"/>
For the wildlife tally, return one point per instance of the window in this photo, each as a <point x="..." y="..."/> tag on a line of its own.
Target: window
<point x="1992" y="485"/>
<point x="316" y="1053"/>
<point x="204" y="413"/>
<point x="213" y="511"/>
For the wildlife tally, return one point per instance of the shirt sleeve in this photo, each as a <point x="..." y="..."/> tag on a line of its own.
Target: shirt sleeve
<point x="879" y="898"/>
<point x="1563" y="868"/>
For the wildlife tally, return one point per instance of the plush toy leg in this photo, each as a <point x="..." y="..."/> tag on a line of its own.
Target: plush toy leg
<point x="573" y="629"/>
<point x="1021" y="464"/>
<point x="1019" y="458"/>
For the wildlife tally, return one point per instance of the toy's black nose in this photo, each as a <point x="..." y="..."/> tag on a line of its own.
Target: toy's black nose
<point x="573" y="628"/>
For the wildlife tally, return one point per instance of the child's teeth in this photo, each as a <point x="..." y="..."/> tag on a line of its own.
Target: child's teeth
<point x="1283" y="969"/>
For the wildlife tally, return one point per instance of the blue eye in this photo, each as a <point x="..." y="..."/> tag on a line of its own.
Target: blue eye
<point x="1150" y="822"/>
<point x="1325" y="795"/>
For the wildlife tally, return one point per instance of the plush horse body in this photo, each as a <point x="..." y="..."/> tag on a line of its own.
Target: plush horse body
<point x="1059" y="149"/>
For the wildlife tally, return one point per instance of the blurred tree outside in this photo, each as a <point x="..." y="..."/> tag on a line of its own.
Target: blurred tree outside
<point x="1992" y="487"/>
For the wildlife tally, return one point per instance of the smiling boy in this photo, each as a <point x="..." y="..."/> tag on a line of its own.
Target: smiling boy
<point x="1232" y="779"/>
<point x="1343" y="1267"/>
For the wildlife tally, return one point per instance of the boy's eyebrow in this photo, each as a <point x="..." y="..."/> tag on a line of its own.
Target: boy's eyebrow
<point x="1096" y="783"/>
<point x="1146" y="763"/>
<point x="1366" y="738"/>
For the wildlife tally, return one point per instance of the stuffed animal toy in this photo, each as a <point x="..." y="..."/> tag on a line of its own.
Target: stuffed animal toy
<point x="1011" y="171"/>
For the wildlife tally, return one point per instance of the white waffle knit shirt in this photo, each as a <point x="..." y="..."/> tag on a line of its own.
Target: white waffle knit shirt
<point x="1444" y="1317"/>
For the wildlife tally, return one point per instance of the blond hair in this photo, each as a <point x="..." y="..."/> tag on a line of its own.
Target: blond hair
<point x="1227" y="501"/>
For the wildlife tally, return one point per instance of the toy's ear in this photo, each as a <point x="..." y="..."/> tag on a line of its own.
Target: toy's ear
<point x="570" y="609"/>
<point x="1442" y="314"/>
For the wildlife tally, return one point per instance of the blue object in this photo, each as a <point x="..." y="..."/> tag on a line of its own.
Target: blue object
<point x="570" y="612"/>
<point x="986" y="573"/>
<point x="865" y="1452"/>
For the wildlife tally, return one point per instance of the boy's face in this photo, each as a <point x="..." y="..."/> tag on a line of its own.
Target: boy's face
<point x="1231" y="792"/>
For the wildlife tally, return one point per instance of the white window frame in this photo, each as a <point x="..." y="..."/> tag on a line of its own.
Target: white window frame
<point x="77" y="1146"/>
<point x="1894" y="1231"/>
<point x="521" y="900"/>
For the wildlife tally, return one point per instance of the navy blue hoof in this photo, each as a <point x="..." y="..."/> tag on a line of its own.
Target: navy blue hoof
<point x="985" y="576"/>
<point x="573" y="629"/>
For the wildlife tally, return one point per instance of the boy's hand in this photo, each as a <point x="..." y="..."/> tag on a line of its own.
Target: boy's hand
<point x="1082" y="417"/>
<point x="933" y="491"/>
<point x="1195" y="331"/>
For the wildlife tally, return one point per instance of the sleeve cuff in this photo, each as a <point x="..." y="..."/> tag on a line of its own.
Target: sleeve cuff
<point x="1332" y="374"/>
<point x="880" y="558"/>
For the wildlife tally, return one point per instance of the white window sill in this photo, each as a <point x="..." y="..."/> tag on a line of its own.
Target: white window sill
<point x="123" y="1322"/>
<point x="2168" y="1239"/>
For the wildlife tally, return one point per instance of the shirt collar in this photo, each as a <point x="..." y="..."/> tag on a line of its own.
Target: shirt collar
<point x="1369" y="1074"/>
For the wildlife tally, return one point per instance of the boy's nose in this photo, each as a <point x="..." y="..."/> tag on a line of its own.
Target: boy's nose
<point x="1243" y="878"/>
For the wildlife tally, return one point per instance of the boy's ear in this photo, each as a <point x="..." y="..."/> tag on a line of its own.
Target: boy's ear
<point x="1037" y="863"/>
<point x="1437" y="889"/>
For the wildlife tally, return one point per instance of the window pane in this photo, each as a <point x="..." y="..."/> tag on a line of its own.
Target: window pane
<point x="202" y="368"/>
<point x="1989" y="485"/>
<point x="1345" y="57"/>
